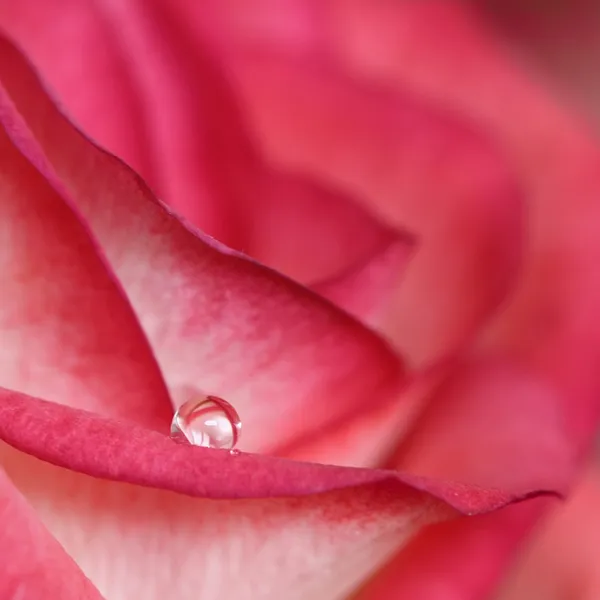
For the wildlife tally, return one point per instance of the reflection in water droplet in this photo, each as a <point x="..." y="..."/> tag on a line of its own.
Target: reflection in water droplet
<point x="207" y="421"/>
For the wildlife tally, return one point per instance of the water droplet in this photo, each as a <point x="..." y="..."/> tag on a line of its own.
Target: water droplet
<point x="207" y="421"/>
<point x="234" y="452"/>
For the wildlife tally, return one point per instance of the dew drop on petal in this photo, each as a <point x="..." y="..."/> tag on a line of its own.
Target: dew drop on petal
<point x="207" y="421"/>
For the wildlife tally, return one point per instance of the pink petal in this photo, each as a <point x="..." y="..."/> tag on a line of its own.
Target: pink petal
<point x="458" y="559"/>
<point x="371" y="440"/>
<point x="68" y="333"/>
<point x="366" y="290"/>
<point x="412" y="165"/>
<point x="334" y="531"/>
<point x="311" y="233"/>
<point x="124" y="451"/>
<point x="187" y="137"/>
<point x="34" y="565"/>
<point x="562" y="561"/>
<point x="494" y="424"/>
<point x="290" y="363"/>
<point x="137" y="542"/>
<point x="550" y="324"/>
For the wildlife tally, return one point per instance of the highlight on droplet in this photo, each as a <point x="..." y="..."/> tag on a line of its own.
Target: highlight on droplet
<point x="207" y="421"/>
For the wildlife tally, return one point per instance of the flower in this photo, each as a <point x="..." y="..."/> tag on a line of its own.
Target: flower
<point x="468" y="198"/>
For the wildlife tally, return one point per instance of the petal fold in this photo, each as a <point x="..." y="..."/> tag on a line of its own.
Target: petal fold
<point x="68" y="331"/>
<point x="289" y="362"/>
<point x="124" y="451"/>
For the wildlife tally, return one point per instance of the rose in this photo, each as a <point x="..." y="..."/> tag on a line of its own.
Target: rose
<point x="200" y="306"/>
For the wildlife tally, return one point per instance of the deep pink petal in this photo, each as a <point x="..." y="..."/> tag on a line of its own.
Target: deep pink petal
<point x="561" y="563"/>
<point x="550" y="324"/>
<point x="137" y="542"/>
<point x="124" y="451"/>
<point x="68" y="332"/>
<point x="459" y="559"/>
<point x="332" y="517"/>
<point x="187" y="137"/>
<point x="493" y="423"/>
<point x="366" y="290"/>
<point x="309" y="232"/>
<point x="289" y="362"/>
<point x="413" y="165"/>
<point x="34" y="566"/>
<point x="550" y="327"/>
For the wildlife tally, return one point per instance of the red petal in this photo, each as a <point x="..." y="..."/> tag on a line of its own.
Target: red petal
<point x="308" y="232"/>
<point x="412" y="165"/>
<point x="459" y="559"/>
<point x="68" y="333"/>
<point x="486" y="417"/>
<point x="34" y="565"/>
<point x="342" y="525"/>
<point x="366" y="290"/>
<point x="187" y="137"/>
<point x="562" y="561"/>
<point x="290" y="363"/>
<point x="124" y="451"/>
<point x="551" y="324"/>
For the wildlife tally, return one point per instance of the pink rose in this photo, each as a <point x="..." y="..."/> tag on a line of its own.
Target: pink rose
<point x="387" y="156"/>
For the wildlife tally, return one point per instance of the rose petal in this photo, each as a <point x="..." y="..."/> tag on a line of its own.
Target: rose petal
<point x="137" y="542"/>
<point x="459" y="559"/>
<point x="550" y="325"/>
<point x="169" y="541"/>
<point x="311" y="233"/>
<point x="124" y="451"/>
<point x="34" y="565"/>
<point x="67" y="330"/>
<point x="267" y="211"/>
<point x="561" y="562"/>
<point x="414" y="166"/>
<point x="486" y="417"/>
<point x="289" y="362"/>
<point x="366" y="290"/>
<point x="195" y="150"/>
<point x="371" y="440"/>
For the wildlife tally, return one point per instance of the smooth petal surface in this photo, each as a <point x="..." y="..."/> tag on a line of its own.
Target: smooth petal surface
<point x="178" y="124"/>
<point x="34" y="566"/>
<point x="550" y="323"/>
<point x="459" y="559"/>
<point x="289" y="362"/>
<point x="487" y="416"/>
<point x="401" y="160"/>
<point x="414" y="165"/>
<point x="561" y="562"/>
<point x="366" y="290"/>
<point x="142" y="542"/>
<point x="343" y="522"/>
<point x="549" y="330"/>
<point x="68" y="332"/>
